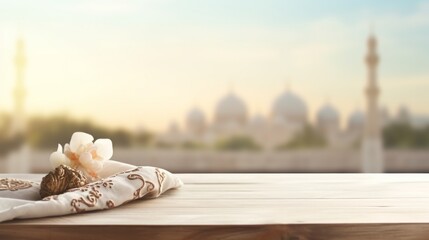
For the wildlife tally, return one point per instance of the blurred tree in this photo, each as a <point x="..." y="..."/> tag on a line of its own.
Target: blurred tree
<point x="190" y="145"/>
<point x="403" y="135"/>
<point x="143" y="138"/>
<point x="309" y="137"/>
<point x="165" y="145"/>
<point x="236" y="143"/>
<point x="48" y="132"/>
<point x="8" y="142"/>
<point x="121" y="137"/>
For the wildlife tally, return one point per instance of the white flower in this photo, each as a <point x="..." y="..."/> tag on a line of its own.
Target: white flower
<point x="83" y="154"/>
<point x="58" y="158"/>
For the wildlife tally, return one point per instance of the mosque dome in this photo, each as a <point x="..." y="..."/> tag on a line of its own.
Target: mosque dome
<point x="327" y="113"/>
<point x="328" y="117"/>
<point x="279" y="121"/>
<point x="231" y="110"/>
<point x="290" y="107"/>
<point x="196" y="121"/>
<point x="356" y="120"/>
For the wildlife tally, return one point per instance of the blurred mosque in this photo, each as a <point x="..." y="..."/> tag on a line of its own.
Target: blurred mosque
<point x="288" y="116"/>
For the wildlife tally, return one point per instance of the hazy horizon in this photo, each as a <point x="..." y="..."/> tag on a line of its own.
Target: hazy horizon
<point x="130" y="63"/>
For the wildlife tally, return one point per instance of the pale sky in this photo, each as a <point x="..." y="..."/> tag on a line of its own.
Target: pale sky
<point x="130" y="63"/>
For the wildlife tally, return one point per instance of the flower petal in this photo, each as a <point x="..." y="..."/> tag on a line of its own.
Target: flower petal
<point x="78" y="139"/>
<point x="104" y="148"/>
<point x="60" y="148"/>
<point x="57" y="159"/>
<point x="96" y="166"/>
<point x="67" y="148"/>
<point x="85" y="159"/>
<point x="89" y="164"/>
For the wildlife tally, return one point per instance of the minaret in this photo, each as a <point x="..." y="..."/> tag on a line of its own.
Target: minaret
<point x="372" y="146"/>
<point x="18" y="125"/>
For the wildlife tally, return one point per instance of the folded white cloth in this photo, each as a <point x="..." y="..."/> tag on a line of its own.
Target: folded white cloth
<point x="120" y="183"/>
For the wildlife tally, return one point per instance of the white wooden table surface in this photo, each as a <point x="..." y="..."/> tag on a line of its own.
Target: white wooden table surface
<point x="264" y="206"/>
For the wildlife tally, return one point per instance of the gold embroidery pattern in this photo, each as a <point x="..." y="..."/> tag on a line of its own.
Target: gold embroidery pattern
<point x="146" y="188"/>
<point x="128" y="171"/>
<point x="81" y="204"/>
<point x="161" y="178"/>
<point x="110" y="204"/>
<point x="89" y="201"/>
<point x="138" y="193"/>
<point x="10" y="184"/>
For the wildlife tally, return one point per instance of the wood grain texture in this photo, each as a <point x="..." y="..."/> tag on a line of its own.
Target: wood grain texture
<point x="192" y="232"/>
<point x="257" y="206"/>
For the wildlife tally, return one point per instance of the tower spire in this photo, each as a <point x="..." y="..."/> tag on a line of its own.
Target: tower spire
<point x="372" y="149"/>
<point x="18" y="126"/>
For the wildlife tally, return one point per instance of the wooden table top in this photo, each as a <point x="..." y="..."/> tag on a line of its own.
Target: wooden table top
<point x="298" y="205"/>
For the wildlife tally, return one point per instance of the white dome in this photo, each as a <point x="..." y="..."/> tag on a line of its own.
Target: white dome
<point x="327" y="113"/>
<point x="290" y="107"/>
<point x="279" y="121"/>
<point x="356" y="119"/>
<point x="231" y="109"/>
<point x="195" y="120"/>
<point x="328" y="119"/>
<point x="195" y="116"/>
